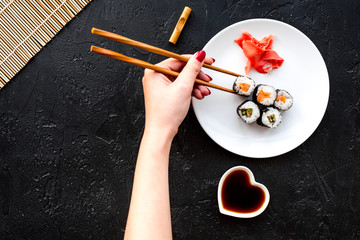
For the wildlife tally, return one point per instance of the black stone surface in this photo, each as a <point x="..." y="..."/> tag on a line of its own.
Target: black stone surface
<point x="71" y="122"/>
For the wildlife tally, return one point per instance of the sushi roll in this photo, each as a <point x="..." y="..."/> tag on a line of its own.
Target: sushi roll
<point x="248" y="111"/>
<point x="284" y="100"/>
<point x="270" y="117"/>
<point x="244" y="86"/>
<point x="264" y="95"/>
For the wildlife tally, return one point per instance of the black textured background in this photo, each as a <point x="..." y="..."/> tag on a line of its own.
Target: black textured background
<point x="71" y="122"/>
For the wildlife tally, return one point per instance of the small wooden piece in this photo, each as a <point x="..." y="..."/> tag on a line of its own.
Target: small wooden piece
<point x="180" y="25"/>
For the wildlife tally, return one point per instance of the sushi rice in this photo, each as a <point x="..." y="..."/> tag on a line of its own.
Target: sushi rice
<point x="248" y="111"/>
<point x="265" y="94"/>
<point x="270" y="117"/>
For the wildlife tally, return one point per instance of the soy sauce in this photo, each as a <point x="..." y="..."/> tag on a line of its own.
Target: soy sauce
<point x="238" y="195"/>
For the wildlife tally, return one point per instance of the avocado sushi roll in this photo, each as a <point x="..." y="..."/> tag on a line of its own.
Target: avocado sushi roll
<point x="244" y="86"/>
<point x="270" y="117"/>
<point x="284" y="100"/>
<point x="264" y="95"/>
<point x="248" y="111"/>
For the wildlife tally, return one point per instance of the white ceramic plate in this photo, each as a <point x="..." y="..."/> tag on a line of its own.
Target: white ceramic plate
<point x="303" y="74"/>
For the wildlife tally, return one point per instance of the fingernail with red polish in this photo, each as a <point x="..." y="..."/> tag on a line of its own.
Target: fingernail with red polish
<point x="208" y="76"/>
<point x="200" y="56"/>
<point x="213" y="59"/>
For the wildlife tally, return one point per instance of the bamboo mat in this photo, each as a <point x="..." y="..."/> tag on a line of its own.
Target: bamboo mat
<point x="25" y="28"/>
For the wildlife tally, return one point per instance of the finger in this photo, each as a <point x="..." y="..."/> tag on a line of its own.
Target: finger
<point x="172" y="64"/>
<point x="177" y="65"/>
<point x="204" y="76"/>
<point x="197" y="94"/>
<point x="204" y="90"/>
<point x="209" y="60"/>
<point x="193" y="67"/>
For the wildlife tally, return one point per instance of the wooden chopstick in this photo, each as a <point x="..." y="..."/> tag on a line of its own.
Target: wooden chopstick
<point x="147" y="47"/>
<point x="144" y="64"/>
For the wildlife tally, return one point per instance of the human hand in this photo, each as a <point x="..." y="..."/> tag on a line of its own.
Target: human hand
<point x="167" y="100"/>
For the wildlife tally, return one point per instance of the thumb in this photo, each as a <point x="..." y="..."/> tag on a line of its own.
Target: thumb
<point x="192" y="68"/>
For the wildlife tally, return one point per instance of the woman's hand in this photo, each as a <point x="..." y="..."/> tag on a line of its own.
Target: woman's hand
<point x="167" y="100"/>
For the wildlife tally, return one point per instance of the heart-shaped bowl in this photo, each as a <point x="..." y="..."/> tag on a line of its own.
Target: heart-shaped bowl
<point x="253" y="183"/>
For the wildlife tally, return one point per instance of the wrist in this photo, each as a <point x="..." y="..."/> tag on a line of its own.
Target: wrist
<point x="155" y="144"/>
<point x="162" y="132"/>
<point x="162" y="136"/>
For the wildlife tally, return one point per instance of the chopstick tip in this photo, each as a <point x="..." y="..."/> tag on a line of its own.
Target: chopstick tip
<point x="92" y="30"/>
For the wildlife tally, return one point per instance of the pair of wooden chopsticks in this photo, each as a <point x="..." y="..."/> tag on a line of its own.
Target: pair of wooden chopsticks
<point x="147" y="47"/>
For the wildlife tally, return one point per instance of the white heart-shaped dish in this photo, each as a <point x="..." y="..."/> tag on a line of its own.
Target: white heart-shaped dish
<point x="253" y="183"/>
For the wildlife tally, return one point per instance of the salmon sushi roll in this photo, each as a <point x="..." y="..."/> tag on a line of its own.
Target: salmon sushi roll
<point x="264" y="95"/>
<point x="283" y="101"/>
<point x="244" y="86"/>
